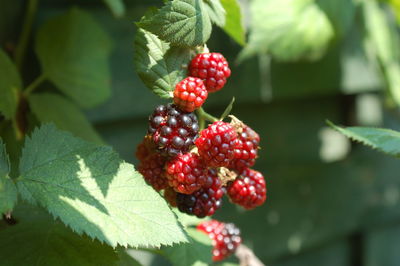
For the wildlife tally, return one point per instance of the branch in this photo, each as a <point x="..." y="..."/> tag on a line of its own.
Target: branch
<point x="247" y="257"/>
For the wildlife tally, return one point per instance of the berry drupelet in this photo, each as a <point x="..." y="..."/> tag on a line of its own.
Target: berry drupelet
<point x="205" y="201"/>
<point x="212" y="68"/>
<point x="186" y="173"/>
<point x="216" y="144"/>
<point x="152" y="169"/>
<point x="248" y="190"/>
<point x="190" y="94"/>
<point x="246" y="149"/>
<point x="173" y="131"/>
<point x="225" y="238"/>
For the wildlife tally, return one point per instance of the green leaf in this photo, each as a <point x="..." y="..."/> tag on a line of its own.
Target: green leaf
<point x="341" y="13"/>
<point x="381" y="139"/>
<point x="159" y="66"/>
<point x="74" y="51"/>
<point x="180" y="22"/>
<point x="196" y="252"/>
<point x="8" y="191"/>
<point x="383" y="38"/>
<point x="50" y="107"/>
<point x="234" y="25"/>
<point x="39" y="240"/>
<point x="289" y="30"/>
<point x="10" y="85"/>
<point x="117" y="7"/>
<point x="228" y="109"/>
<point x="91" y="190"/>
<point x="215" y="11"/>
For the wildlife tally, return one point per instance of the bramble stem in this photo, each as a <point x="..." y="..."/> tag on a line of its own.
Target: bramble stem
<point x="26" y="31"/>
<point x="34" y="85"/>
<point x="203" y="117"/>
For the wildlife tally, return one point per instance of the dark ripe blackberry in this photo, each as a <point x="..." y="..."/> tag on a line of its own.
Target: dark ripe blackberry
<point x="205" y="201"/>
<point x="173" y="131"/>
<point x="225" y="237"/>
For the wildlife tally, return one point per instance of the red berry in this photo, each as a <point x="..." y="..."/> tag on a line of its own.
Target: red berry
<point x="173" y="131"/>
<point x="212" y="68"/>
<point x="216" y="144"/>
<point x="245" y="149"/>
<point x="170" y="196"/>
<point x="205" y="201"/>
<point x="225" y="238"/>
<point x="190" y="94"/>
<point x="145" y="148"/>
<point x="152" y="169"/>
<point x="186" y="173"/>
<point x="248" y="190"/>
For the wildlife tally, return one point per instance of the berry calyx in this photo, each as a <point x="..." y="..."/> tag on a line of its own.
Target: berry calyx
<point x="190" y="94"/>
<point x="225" y="238"/>
<point x="216" y="144"/>
<point x="205" y="201"/>
<point x="186" y="173"/>
<point x="246" y="149"/>
<point x="152" y="169"/>
<point x="212" y="68"/>
<point x="173" y="131"/>
<point x="248" y="190"/>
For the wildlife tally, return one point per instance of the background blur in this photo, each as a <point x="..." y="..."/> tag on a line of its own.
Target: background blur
<point x="330" y="202"/>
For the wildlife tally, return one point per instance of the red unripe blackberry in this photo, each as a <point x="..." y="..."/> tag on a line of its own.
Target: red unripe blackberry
<point x="152" y="169"/>
<point x="212" y="68"/>
<point x="225" y="238"/>
<point x="145" y="148"/>
<point x="246" y="149"/>
<point x="216" y="144"/>
<point x="248" y="190"/>
<point x="205" y="201"/>
<point x="190" y="94"/>
<point x="186" y="173"/>
<point x="173" y="131"/>
<point x="170" y="196"/>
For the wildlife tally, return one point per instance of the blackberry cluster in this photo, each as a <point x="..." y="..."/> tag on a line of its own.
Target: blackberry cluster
<point x="196" y="168"/>
<point x="225" y="238"/>
<point x="173" y="130"/>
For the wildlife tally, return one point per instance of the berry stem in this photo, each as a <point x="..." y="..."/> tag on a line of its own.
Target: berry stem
<point x="26" y="31"/>
<point x="204" y="116"/>
<point x="31" y="87"/>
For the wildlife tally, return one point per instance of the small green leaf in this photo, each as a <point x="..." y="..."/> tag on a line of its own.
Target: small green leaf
<point x="196" y="252"/>
<point x="37" y="239"/>
<point x="74" y="51"/>
<point x="10" y="85"/>
<point x="8" y="191"/>
<point x="50" y="107"/>
<point x="92" y="191"/>
<point x="117" y="7"/>
<point x="384" y="140"/>
<point x="159" y="66"/>
<point x="234" y="24"/>
<point x="180" y="22"/>
<point x="289" y="30"/>
<point x="215" y="11"/>
<point x="228" y="109"/>
<point x="341" y="13"/>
